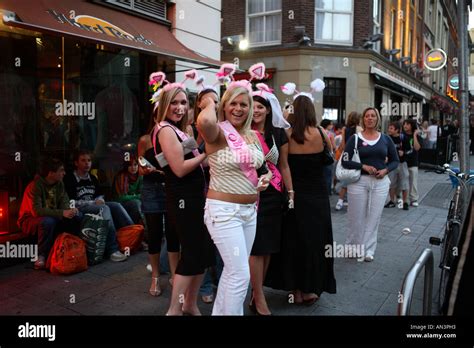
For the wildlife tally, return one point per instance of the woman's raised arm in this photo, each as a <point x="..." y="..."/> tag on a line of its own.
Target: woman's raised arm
<point x="207" y="121"/>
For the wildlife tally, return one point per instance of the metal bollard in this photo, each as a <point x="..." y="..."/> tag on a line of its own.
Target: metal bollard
<point x="425" y="260"/>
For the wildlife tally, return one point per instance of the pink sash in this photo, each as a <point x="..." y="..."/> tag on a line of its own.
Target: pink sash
<point x="240" y="151"/>
<point x="183" y="136"/>
<point x="276" y="180"/>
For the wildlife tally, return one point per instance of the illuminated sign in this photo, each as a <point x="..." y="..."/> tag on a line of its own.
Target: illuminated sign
<point x="97" y="25"/>
<point x="435" y="59"/>
<point x="453" y="81"/>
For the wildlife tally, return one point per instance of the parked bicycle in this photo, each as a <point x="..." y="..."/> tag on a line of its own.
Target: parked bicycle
<point x="452" y="233"/>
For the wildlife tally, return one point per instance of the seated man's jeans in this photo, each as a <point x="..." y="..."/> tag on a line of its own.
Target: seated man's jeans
<point x="48" y="228"/>
<point x="108" y="208"/>
<point x="119" y="215"/>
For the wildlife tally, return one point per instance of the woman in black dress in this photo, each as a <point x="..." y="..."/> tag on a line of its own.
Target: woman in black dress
<point x="184" y="180"/>
<point x="301" y="266"/>
<point x="153" y="207"/>
<point x="269" y="219"/>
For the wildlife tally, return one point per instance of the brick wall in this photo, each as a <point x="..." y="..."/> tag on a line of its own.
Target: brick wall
<point x="233" y="17"/>
<point x="363" y="23"/>
<point x="296" y="13"/>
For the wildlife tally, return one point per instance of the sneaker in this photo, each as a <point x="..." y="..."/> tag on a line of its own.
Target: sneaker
<point x="40" y="263"/>
<point x="405" y="206"/>
<point x="369" y="258"/>
<point x="361" y="259"/>
<point x="414" y="204"/>
<point x="346" y="203"/>
<point x="390" y="204"/>
<point x="339" y="205"/>
<point x="118" y="256"/>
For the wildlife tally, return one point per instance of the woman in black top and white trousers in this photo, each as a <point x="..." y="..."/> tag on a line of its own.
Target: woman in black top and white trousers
<point x="367" y="196"/>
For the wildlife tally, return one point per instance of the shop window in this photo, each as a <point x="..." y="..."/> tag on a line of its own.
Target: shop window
<point x="60" y="94"/>
<point x="334" y="99"/>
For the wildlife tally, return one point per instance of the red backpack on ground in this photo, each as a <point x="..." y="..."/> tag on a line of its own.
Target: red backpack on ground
<point x="68" y="255"/>
<point x="130" y="237"/>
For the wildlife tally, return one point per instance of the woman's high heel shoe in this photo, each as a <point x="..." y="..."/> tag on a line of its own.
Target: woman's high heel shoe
<point x="155" y="289"/>
<point x="253" y="308"/>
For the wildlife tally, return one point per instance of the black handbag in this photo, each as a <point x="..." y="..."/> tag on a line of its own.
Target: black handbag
<point x="328" y="157"/>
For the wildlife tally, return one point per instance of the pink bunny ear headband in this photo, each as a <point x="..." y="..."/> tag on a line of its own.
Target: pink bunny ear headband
<point x="277" y="115"/>
<point x="289" y="88"/>
<point x="157" y="79"/>
<point x="225" y="76"/>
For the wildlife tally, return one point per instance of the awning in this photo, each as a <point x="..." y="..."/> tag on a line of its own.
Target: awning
<point x="384" y="77"/>
<point x="98" y="23"/>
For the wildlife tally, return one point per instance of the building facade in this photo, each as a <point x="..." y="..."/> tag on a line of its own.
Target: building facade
<point x="202" y="36"/>
<point x="368" y="52"/>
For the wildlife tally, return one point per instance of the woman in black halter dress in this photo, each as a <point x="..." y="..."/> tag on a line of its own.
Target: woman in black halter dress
<point x="302" y="266"/>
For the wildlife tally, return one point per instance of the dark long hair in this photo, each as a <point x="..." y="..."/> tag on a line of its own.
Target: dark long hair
<point x="197" y="109"/>
<point x="268" y="126"/>
<point x="303" y="117"/>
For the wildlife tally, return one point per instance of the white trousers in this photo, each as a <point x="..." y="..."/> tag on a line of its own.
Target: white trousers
<point x="232" y="227"/>
<point x="366" y="199"/>
<point x="413" y="179"/>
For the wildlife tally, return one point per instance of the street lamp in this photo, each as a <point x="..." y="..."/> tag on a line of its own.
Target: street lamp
<point x="236" y="40"/>
<point x="393" y="52"/>
<point x="303" y="38"/>
<point x="369" y="42"/>
<point x="403" y="60"/>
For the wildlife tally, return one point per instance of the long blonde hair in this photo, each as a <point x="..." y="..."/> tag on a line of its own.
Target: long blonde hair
<point x="164" y="101"/>
<point x="228" y="97"/>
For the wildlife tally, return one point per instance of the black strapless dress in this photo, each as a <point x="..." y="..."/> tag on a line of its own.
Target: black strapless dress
<point x="307" y="229"/>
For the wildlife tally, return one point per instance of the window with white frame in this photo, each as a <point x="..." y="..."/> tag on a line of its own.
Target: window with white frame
<point x="445" y="37"/>
<point x="377" y="18"/>
<point x="333" y="21"/>
<point x="392" y="30"/>
<point x="430" y="13"/>
<point x="402" y="36"/>
<point x="410" y="35"/>
<point x="264" y="21"/>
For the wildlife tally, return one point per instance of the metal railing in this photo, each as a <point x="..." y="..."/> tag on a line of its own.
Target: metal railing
<point x="425" y="260"/>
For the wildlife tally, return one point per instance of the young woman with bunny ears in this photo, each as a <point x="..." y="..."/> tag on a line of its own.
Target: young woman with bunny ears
<point x="184" y="180"/>
<point x="269" y="125"/>
<point x="303" y="266"/>
<point x="234" y="155"/>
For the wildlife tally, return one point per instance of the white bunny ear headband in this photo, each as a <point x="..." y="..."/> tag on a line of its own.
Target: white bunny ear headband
<point x="289" y="88"/>
<point x="277" y="115"/>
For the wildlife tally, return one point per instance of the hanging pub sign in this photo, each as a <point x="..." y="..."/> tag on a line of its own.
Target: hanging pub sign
<point x="435" y="59"/>
<point x="453" y="81"/>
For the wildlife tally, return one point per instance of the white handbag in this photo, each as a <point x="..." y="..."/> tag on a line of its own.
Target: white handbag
<point x="348" y="176"/>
